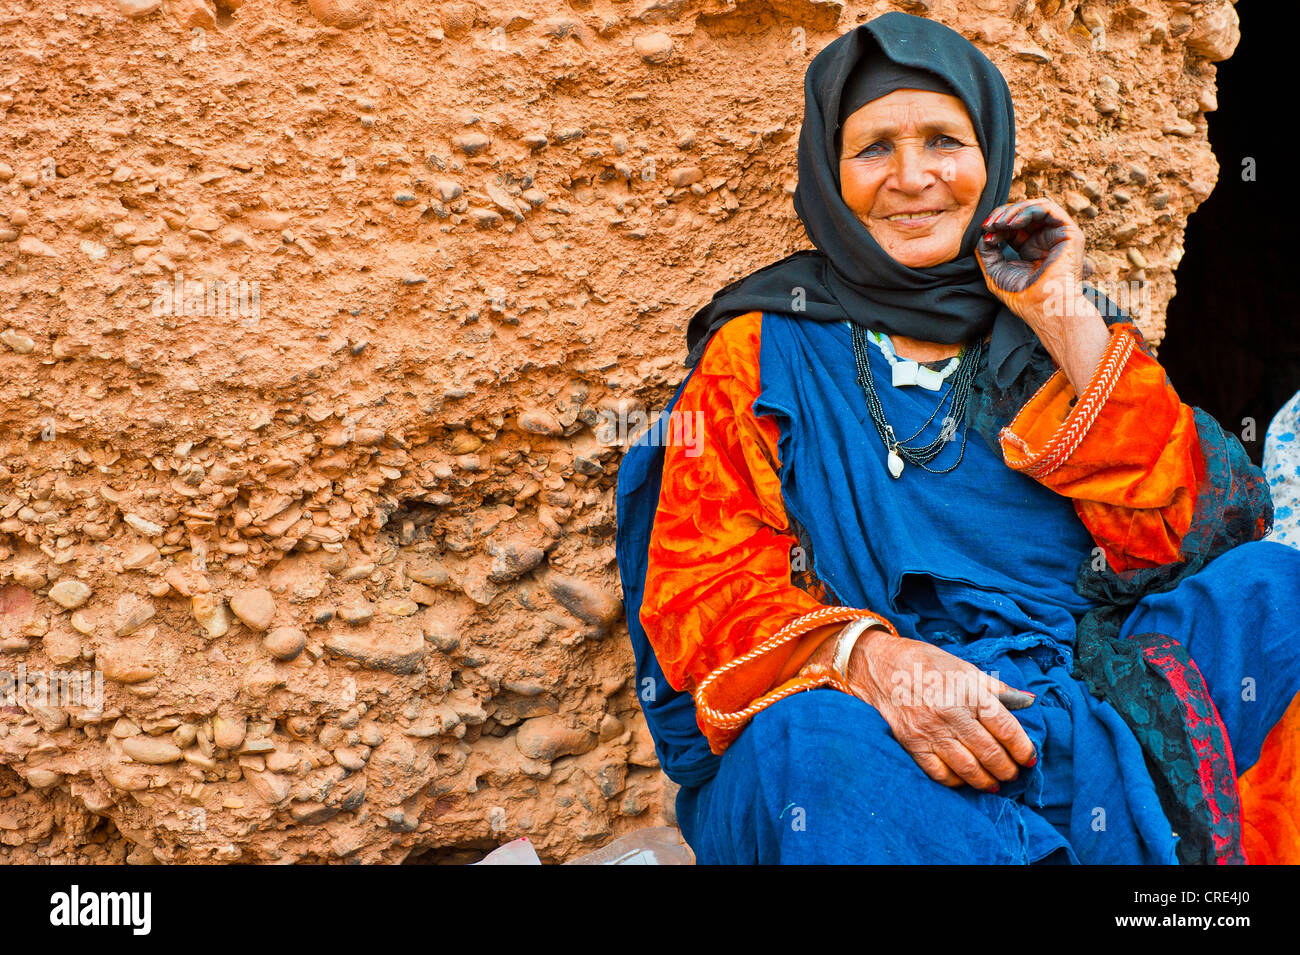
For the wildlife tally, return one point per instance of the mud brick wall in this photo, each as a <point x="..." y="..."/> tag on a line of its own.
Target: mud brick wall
<point x="310" y="314"/>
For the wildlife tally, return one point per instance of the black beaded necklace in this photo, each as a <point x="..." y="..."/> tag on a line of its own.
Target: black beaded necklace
<point x="959" y="387"/>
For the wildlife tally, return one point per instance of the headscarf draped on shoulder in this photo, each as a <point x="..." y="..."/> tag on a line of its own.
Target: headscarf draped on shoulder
<point x="848" y="275"/>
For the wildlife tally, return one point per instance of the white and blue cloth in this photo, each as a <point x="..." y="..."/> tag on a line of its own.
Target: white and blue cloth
<point x="1282" y="470"/>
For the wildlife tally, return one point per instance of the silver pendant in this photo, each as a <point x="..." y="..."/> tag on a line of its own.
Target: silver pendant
<point x="895" y="464"/>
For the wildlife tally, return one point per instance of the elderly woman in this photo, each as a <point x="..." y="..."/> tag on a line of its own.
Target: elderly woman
<point x="864" y="634"/>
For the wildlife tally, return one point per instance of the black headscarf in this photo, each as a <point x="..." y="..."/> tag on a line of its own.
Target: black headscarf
<point x="848" y="275"/>
<point x="877" y="76"/>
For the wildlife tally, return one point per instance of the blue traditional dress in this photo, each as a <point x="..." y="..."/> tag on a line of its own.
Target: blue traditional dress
<point x="993" y="566"/>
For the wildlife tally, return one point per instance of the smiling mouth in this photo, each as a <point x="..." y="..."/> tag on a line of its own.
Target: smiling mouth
<point x="914" y="216"/>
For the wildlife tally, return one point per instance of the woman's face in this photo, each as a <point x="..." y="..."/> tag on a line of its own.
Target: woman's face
<point x="912" y="171"/>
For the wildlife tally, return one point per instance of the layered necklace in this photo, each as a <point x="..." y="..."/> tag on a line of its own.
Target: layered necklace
<point x="965" y="364"/>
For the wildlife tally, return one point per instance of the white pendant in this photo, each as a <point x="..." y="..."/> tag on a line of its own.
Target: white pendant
<point x="895" y="464"/>
<point x="905" y="373"/>
<point x="929" y="379"/>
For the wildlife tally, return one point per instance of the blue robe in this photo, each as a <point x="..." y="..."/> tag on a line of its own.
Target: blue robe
<point x="980" y="561"/>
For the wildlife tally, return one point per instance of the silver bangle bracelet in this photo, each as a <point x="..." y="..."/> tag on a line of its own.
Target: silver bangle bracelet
<point x="848" y="639"/>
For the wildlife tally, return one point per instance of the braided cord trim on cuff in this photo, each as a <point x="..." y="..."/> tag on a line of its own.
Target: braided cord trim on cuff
<point x="810" y="677"/>
<point x="1063" y="442"/>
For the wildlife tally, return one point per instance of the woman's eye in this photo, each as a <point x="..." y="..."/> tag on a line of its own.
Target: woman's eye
<point x="880" y="147"/>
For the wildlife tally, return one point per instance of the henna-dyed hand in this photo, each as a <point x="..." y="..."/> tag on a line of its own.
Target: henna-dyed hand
<point x="956" y="725"/>
<point x="1043" y="288"/>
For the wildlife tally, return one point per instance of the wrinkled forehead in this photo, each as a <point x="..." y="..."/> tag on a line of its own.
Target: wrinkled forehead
<point x="906" y="112"/>
<point x="906" y="108"/>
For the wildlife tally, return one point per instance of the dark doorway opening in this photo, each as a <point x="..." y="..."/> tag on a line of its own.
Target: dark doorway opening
<point x="1232" y="340"/>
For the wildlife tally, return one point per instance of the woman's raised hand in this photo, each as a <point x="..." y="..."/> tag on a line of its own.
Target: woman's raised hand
<point x="1042" y="287"/>
<point x="954" y="724"/>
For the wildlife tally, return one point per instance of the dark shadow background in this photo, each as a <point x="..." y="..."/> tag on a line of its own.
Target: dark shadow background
<point x="1232" y="340"/>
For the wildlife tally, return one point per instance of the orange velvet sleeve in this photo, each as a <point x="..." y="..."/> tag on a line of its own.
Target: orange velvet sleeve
<point x="718" y="581"/>
<point x="1127" y="452"/>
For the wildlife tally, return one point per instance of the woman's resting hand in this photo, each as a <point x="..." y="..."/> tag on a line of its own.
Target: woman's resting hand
<point x="944" y="711"/>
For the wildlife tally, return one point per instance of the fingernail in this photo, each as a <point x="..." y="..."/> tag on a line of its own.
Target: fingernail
<point x="995" y="789"/>
<point x="1016" y="699"/>
<point x="988" y="236"/>
<point x="1033" y="760"/>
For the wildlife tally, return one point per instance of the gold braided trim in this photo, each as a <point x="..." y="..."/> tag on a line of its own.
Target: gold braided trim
<point x="817" y="674"/>
<point x="1075" y="428"/>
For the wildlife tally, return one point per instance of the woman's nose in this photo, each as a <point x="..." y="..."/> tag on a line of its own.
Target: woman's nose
<point x="915" y="169"/>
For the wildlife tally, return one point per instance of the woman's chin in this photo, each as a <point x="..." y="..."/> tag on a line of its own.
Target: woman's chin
<point x="923" y="252"/>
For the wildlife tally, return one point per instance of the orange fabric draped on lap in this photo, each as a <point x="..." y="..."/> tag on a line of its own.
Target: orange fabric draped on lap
<point x="1270" y="795"/>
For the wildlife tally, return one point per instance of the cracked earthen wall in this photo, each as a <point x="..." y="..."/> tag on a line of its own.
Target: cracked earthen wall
<point x="310" y="313"/>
